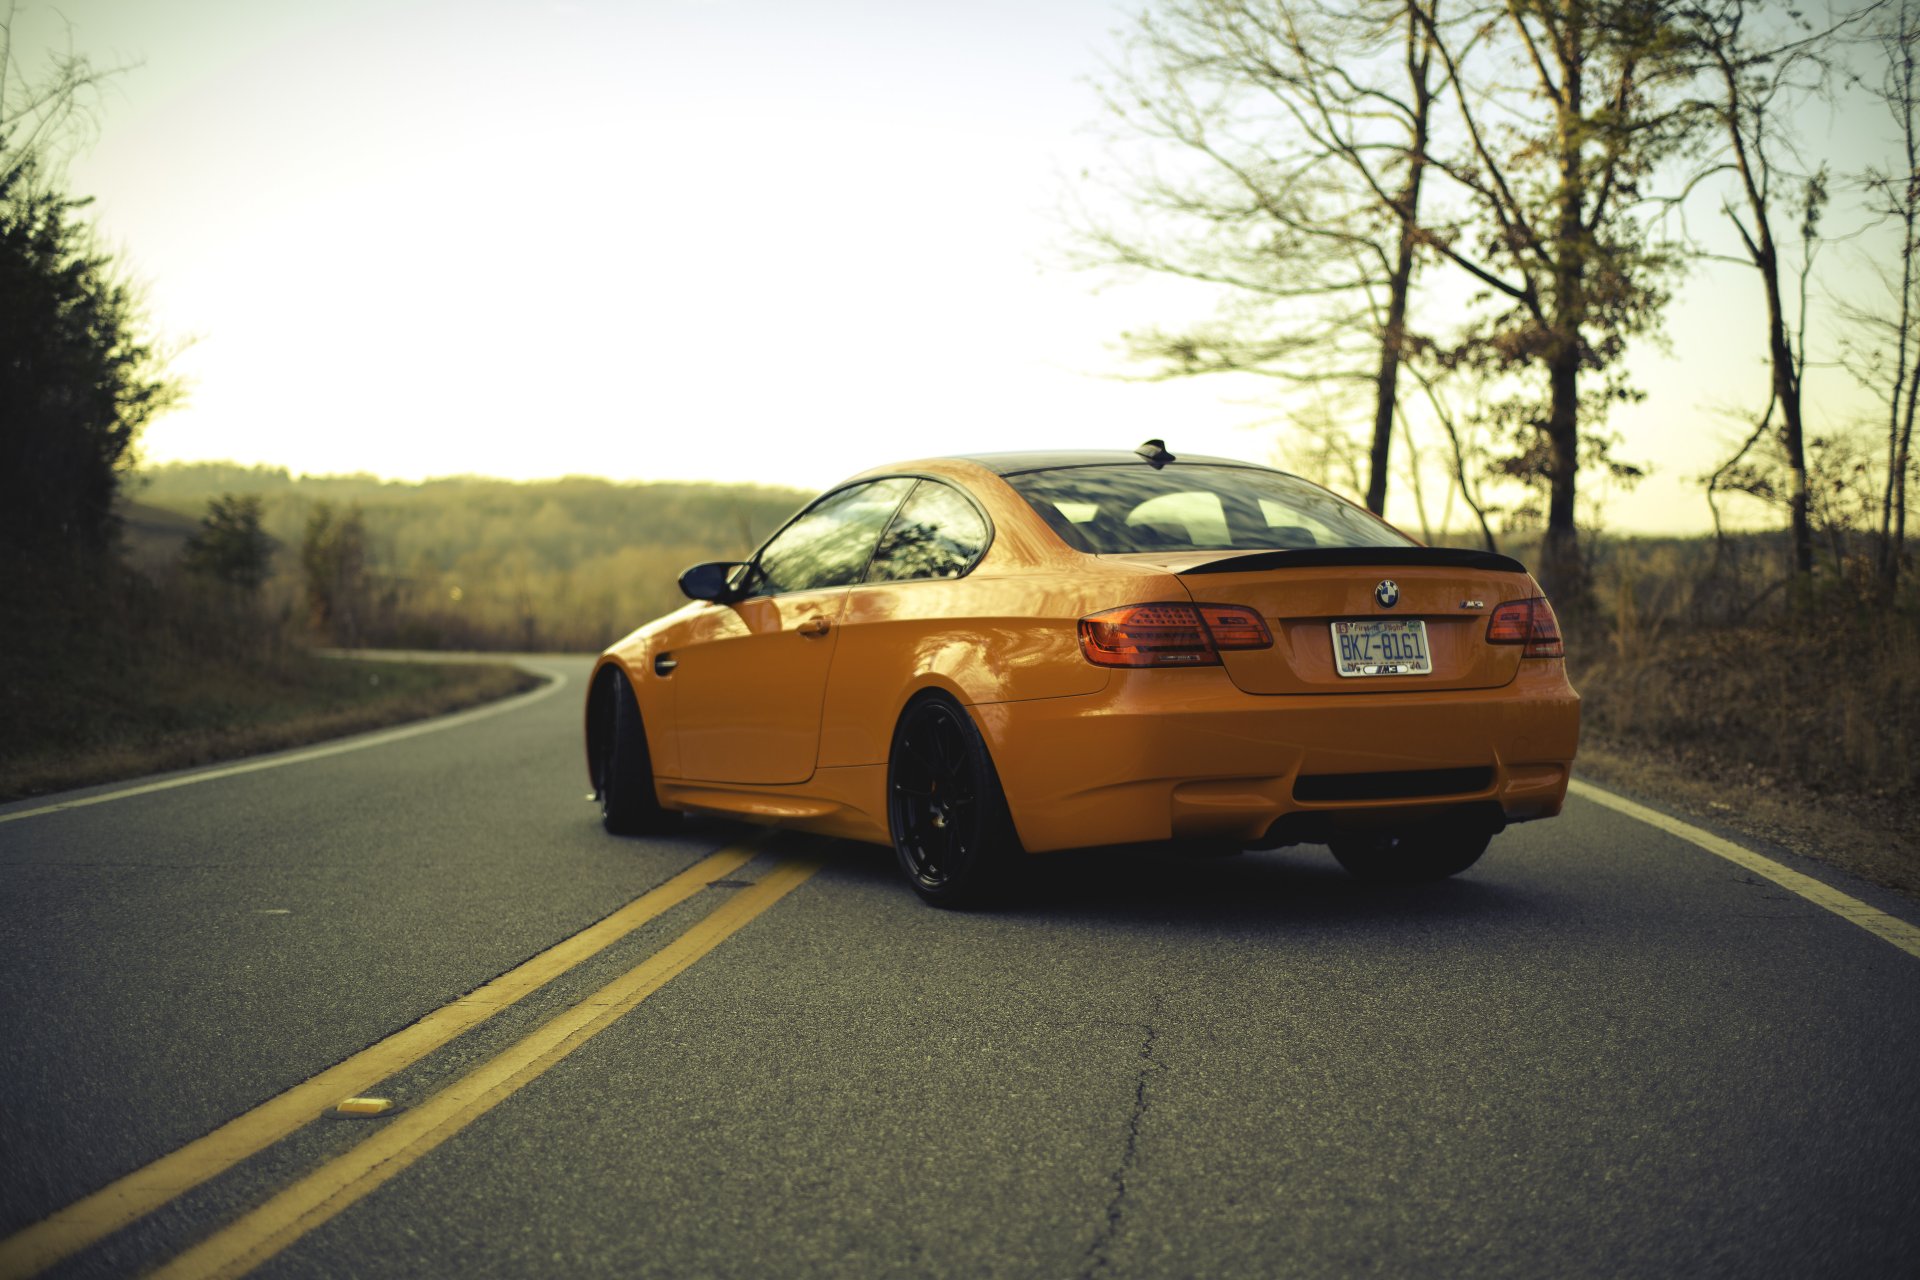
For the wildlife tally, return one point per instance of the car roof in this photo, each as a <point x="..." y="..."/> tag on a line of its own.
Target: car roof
<point x="1013" y="464"/>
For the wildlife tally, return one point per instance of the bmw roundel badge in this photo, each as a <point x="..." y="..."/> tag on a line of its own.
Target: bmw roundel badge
<point x="1387" y="593"/>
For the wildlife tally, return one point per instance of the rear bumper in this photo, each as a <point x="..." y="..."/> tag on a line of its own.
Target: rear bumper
<point x="1162" y="755"/>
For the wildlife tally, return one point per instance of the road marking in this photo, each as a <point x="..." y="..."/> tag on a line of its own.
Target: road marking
<point x="1875" y="921"/>
<point x="144" y="1190"/>
<point x="555" y="682"/>
<point x="257" y="1236"/>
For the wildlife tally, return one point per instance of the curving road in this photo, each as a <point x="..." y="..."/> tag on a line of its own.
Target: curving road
<point x="1604" y="1052"/>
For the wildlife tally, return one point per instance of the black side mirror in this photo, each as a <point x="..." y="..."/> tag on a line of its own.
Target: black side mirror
<point x="710" y="581"/>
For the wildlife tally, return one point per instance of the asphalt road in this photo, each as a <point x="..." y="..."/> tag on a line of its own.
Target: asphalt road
<point x="1603" y="1052"/>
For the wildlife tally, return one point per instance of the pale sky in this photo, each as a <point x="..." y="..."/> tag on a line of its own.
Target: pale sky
<point x="673" y="239"/>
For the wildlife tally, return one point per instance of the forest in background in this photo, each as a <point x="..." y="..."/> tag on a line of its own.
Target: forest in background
<point x="462" y="562"/>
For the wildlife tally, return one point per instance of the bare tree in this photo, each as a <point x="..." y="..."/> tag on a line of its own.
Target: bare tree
<point x="1310" y="123"/>
<point x="1756" y="81"/>
<point x="43" y="118"/>
<point x="1567" y="107"/>
<point x="1893" y="335"/>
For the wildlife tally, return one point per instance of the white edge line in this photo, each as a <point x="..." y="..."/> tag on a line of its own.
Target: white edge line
<point x="555" y="681"/>
<point x="1875" y="921"/>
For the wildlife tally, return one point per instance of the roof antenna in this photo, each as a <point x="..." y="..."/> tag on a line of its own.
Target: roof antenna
<point x="1155" y="452"/>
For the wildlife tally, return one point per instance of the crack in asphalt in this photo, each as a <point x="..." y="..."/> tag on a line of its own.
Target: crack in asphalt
<point x="1095" y="1261"/>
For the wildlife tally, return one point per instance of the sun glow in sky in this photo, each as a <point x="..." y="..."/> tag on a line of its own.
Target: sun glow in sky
<point x="680" y="239"/>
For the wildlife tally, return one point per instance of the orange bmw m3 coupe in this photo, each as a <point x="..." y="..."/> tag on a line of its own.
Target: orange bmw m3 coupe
<point x="977" y="659"/>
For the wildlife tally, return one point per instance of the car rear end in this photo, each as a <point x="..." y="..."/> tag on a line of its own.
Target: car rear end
<point x="1346" y="680"/>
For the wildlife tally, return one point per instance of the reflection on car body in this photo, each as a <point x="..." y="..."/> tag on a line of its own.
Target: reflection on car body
<point x="977" y="659"/>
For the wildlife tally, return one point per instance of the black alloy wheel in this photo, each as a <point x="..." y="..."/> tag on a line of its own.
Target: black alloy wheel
<point x="951" y="831"/>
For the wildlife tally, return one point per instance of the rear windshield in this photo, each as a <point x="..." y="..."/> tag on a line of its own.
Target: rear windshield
<point x="1195" y="507"/>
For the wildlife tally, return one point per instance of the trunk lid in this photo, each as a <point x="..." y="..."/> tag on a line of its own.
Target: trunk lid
<point x="1301" y="594"/>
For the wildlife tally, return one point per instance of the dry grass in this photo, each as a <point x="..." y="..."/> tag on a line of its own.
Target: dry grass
<point x="105" y="676"/>
<point x="1832" y="709"/>
<point x="1702" y="685"/>
<point x="208" y="722"/>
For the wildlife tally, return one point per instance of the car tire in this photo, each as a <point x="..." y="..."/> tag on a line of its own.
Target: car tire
<point x="952" y="835"/>
<point x="1401" y="858"/>
<point x="628" y="805"/>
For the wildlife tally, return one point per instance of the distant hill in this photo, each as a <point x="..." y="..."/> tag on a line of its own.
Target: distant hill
<point x="470" y="561"/>
<point x="559" y="521"/>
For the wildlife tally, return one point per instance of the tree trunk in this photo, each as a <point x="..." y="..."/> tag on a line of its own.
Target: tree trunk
<point x="1897" y="492"/>
<point x="1893" y="499"/>
<point x="1387" y="384"/>
<point x="1406" y="207"/>
<point x="1893" y="511"/>
<point x="1560" y="560"/>
<point x="1563" y="573"/>
<point x="1787" y="387"/>
<point x="1786" y="392"/>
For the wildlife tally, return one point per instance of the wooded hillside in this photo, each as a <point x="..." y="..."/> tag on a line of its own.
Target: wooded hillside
<point x="469" y="562"/>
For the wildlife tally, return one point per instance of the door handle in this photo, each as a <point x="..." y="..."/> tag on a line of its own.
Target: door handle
<point x="814" y="626"/>
<point x="663" y="664"/>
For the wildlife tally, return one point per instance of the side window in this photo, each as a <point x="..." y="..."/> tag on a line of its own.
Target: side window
<point x="830" y="544"/>
<point x="937" y="534"/>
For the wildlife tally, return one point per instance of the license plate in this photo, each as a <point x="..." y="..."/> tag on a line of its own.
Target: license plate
<point x="1382" y="647"/>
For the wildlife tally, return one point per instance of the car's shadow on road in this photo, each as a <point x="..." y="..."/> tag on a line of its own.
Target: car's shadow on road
<point x="1173" y="887"/>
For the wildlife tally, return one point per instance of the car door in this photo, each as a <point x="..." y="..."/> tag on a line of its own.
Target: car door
<point x="902" y="619"/>
<point x="750" y="675"/>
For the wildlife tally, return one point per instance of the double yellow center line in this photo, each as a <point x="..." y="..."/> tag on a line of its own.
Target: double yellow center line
<point x="264" y="1231"/>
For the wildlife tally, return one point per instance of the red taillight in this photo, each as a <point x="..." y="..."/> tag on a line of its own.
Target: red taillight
<point x="1544" y="640"/>
<point x="1235" y="627"/>
<point x="1170" y="634"/>
<point x="1527" y="622"/>
<point x="1510" y="622"/>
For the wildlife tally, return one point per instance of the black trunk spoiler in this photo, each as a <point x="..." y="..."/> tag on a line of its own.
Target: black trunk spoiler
<point x="1357" y="557"/>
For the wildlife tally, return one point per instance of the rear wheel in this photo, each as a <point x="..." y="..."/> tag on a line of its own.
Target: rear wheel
<point x="628" y="806"/>
<point x="952" y="834"/>
<point x="1410" y="858"/>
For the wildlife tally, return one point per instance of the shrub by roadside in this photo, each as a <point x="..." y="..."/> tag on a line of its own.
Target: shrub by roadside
<point x="1833" y="709"/>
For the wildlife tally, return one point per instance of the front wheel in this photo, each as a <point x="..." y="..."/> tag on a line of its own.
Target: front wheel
<point x="1410" y="858"/>
<point x="952" y="834"/>
<point x="628" y="805"/>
